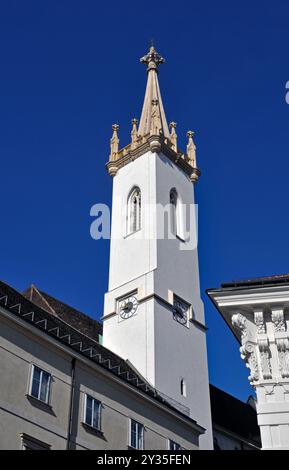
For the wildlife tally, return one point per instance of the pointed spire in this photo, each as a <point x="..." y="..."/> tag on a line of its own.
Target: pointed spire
<point x="153" y="106"/>
<point x="134" y="135"/>
<point x="191" y="150"/>
<point x="114" y="143"/>
<point x="173" y="136"/>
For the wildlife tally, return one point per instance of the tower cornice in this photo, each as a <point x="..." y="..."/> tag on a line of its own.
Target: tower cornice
<point x="155" y="144"/>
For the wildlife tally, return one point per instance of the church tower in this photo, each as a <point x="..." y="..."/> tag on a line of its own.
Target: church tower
<point x="153" y="314"/>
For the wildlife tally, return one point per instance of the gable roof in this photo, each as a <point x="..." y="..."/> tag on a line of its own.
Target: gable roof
<point x="78" y="320"/>
<point x="234" y="415"/>
<point x="52" y="325"/>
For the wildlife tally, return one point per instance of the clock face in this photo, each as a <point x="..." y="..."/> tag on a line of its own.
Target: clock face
<point x="128" y="307"/>
<point x="180" y="311"/>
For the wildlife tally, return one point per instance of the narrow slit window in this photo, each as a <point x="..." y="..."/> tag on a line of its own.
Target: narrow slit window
<point x="173" y="214"/>
<point x="183" y="388"/>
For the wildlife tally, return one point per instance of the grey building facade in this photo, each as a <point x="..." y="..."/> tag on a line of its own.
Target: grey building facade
<point x="76" y="368"/>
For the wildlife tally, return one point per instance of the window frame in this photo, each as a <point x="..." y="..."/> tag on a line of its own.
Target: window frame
<point x="138" y="426"/>
<point x="48" y="390"/>
<point x="31" y="443"/>
<point x="134" y="220"/>
<point x="174" y="443"/>
<point x="99" y="413"/>
<point x="176" y="219"/>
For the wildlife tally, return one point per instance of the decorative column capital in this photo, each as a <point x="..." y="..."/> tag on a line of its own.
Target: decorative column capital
<point x="282" y="341"/>
<point x="247" y="350"/>
<point x="278" y="319"/>
<point x="259" y="321"/>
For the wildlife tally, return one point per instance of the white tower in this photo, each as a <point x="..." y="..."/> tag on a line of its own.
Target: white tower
<point x="154" y="314"/>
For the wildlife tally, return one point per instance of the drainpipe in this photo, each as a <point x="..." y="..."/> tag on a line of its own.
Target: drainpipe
<point x="72" y="391"/>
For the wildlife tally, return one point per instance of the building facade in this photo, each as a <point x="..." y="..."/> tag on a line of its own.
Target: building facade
<point x="256" y="310"/>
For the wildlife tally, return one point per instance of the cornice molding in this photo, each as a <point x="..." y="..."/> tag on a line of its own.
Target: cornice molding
<point x="155" y="144"/>
<point x="277" y="297"/>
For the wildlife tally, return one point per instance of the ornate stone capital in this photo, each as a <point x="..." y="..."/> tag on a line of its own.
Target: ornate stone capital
<point x="282" y="341"/>
<point x="247" y="350"/>
<point x="265" y="356"/>
<point x="278" y="319"/>
<point x="259" y="321"/>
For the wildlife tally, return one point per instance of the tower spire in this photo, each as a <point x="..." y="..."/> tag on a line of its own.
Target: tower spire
<point x="153" y="105"/>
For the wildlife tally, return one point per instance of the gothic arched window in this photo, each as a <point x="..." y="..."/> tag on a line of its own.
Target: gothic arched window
<point x="134" y="211"/>
<point x="174" y="215"/>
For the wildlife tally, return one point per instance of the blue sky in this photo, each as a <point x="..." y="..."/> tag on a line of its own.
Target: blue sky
<point x="70" y="69"/>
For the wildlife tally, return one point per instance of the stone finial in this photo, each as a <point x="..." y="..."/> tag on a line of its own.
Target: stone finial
<point x="134" y="135"/>
<point x="156" y="124"/>
<point x="114" y="143"/>
<point x="152" y="59"/>
<point x="191" y="150"/>
<point x="173" y="136"/>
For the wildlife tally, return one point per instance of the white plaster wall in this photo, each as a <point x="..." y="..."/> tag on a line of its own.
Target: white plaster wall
<point x="134" y="339"/>
<point x="134" y="255"/>
<point x="177" y="269"/>
<point x="180" y="352"/>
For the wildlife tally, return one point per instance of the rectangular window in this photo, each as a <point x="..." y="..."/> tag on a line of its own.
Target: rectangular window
<point x="174" y="445"/>
<point x="31" y="443"/>
<point x="40" y="384"/>
<point x="92" y="412"/>
<point x="136" y="435"/>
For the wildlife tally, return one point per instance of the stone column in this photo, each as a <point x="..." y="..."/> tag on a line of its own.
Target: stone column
<point x="265" y="349"/>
